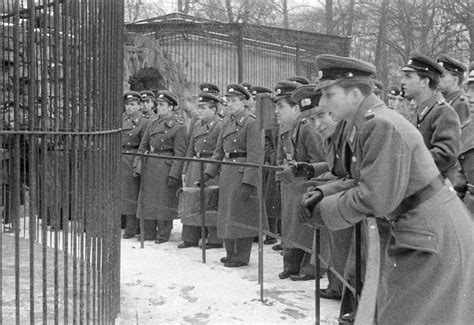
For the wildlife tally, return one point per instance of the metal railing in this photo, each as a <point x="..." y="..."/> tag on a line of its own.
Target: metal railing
<point x="365" y="297"/>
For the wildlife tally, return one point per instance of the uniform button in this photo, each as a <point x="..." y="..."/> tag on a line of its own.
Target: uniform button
<point x="204" y="140"/>
<point x="354" y="159"/>
<point x="166" y="131"/>
<point x="162" y="140"/>
<point x="130" y="134"/>
<point x="337" y="156"/>
<point x="235" y="140"/>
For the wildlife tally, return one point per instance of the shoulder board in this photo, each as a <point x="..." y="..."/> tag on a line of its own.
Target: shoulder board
<point x="252" y="115"/>
<point x="154" y="118"/>
<point x="304" y="120"/>
<point x="462" y="98"/>
<point x="179" y="121"/>
<point x="440" y="102"/>
<point x="369" y="115"/>
<point x="170" y="123"/>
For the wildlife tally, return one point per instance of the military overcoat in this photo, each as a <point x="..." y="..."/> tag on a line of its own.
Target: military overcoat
<point x="466" y="161"/>
<point x="271" y="189"/>
<point x="440" y="127"/>
<point x="133" y="128"/>
<point x="164" y="135"/>
<point x="458" y="101"/>
<point x="239" y="135"/>
<point x="427" y="267"/>
<point x="202" y="145"/>
<point x="306" y="146"/>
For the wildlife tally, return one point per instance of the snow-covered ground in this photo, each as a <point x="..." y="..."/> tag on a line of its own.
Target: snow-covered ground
<point x="161" y="284"/>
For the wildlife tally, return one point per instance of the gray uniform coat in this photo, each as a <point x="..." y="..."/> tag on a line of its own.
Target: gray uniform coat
<point x="164" y="135"/>
<point x="439" y="125"/>
<point x="202" y="145"/>
<point x="306" y="146"/>
<point x="133" y="128"/>
<point x="466" y="161"/>
<point x="427" y="267"/>
<point x="239" y="134"/>
<point x="271" y="188"/>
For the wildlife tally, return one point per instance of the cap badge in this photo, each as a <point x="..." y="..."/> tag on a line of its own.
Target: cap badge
<point x="205" y="89"/>
<point x="161" y="96"/>
<point x="320" y="74"/>
<point x="254" y="92"/>
<point x="129" y="96"/>
<point x="350" y="75"/>
<point x="410" y="61"/>
<point x="305" y="102"/>
<point x="393" y="92"/>
<point x="201" y="99"/>
<point x="231" y="89"/>
<point x="278" y="91"/>
<point x="441" y="63"/>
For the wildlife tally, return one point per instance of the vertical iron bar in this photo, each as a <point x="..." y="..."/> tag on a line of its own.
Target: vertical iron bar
<point x="240" y="55"/>
<point x="317" y="266"/>
<point x="203" y="212"/>
<point x="358" y="261"/>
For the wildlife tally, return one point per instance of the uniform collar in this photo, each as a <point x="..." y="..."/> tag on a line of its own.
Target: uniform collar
<point x="210" y="123"/>
<point x="424" y="107"/>
<point x="454" y="95"/>
<point x="360" y="116"/>
<point x="133" y="116"/>
<point x="240" y="117"/>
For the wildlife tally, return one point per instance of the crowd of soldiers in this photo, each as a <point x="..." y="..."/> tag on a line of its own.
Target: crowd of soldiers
<point x="343" y="155"/>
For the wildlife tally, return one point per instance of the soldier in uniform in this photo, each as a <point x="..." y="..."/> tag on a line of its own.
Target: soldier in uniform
<point x="214" y="90"/>
<point x="148" y="107"/>
<point x="202" y="145"/>
<point x="133" y="127"/>
<point x="435" y="119"/>
<point x="165" y="135"/>
<point x="470" y="89"/>
<point x="238" y="200"/>
<point x="427" y="262"/>
<point x="450" y="85"/>
<point x="300" y="142"/>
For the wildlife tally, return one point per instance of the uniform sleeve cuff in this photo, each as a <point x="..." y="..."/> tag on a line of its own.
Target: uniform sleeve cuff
<point x="330" y="213"/>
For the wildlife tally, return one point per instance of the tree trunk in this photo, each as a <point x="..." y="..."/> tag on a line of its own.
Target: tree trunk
<point x="329" y="17"/>
<point x="350" y="22"/>
<point x="285" y="14"/>
<point x="230" y="15"/>
<point x="380" y="47"/>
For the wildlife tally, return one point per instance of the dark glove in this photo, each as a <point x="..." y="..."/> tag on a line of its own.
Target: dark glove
<point x="286" y="175"/>
<point x="307" y="204"/>
<point x="206" y="178"/>
<point x="172" y="182"/>
<point x="137" y="167"/>
<point x="302" y="169"/>
<point x="246" y="192"/>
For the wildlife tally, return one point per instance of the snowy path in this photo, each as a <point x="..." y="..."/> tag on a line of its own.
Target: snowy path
<point x="162" y="284"/>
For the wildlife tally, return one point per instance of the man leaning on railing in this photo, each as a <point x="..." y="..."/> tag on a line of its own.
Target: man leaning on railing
<point x="427" y="266"/>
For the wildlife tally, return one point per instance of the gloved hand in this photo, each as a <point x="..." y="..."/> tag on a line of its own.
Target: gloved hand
<point x="286" y="175"/>
<point x="302" y="169"/>
<point x="206" y="178"/>
<point x="307" y="204"/>
<point x="246" y="192"/>
<point x="172" y="182"/>
<point x="137" y="167"/>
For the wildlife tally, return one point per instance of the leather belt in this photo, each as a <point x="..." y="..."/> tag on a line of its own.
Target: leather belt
<point x="158" y="151"/>
<point x="230" y="155"/>
<point x="412" y="201"/>
<point x="470" y="188"/>
<point x="203" y="154"/>
<point x="130" y="147"/>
